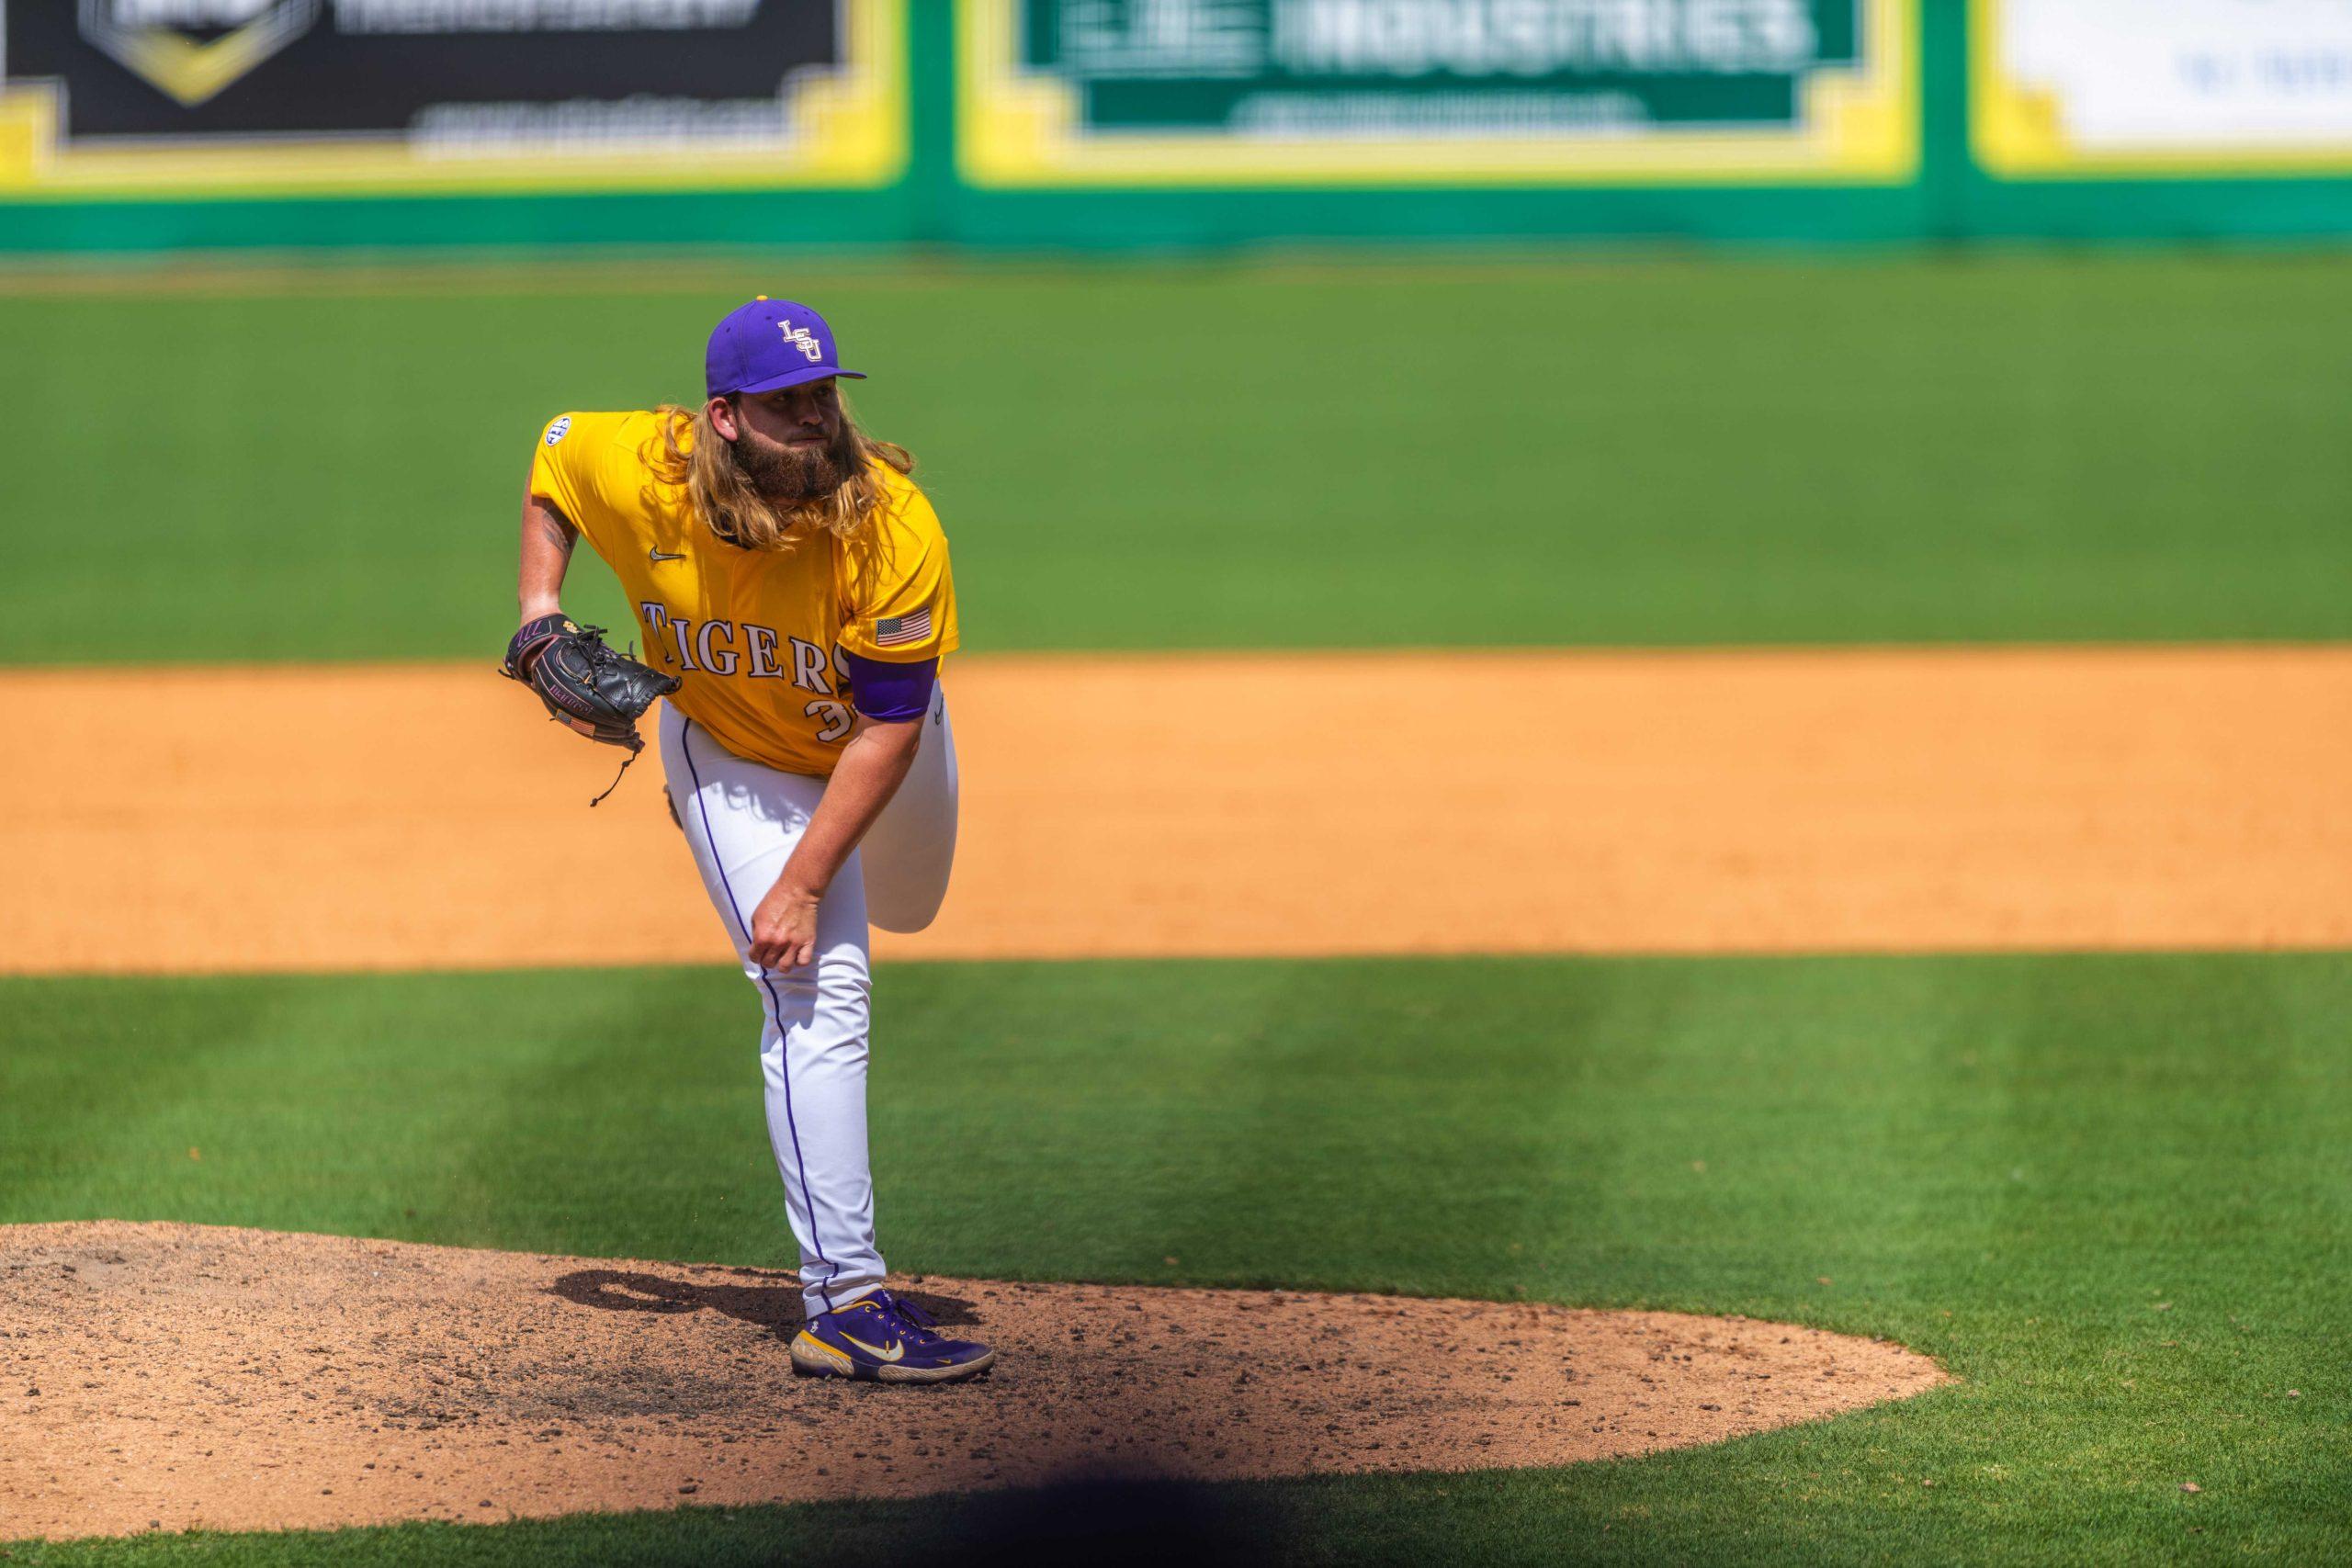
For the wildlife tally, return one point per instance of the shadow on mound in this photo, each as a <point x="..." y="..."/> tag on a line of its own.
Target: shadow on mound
<point x="1094" y="1524"/>
<point x="774" y="1307"/>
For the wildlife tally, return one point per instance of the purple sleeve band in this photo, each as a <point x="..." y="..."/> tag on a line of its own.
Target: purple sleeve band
<point x="891" y="693"/>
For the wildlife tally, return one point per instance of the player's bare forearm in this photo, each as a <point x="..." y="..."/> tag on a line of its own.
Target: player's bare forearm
<point x="875" y="760"/>
<point x="547" y="540"/>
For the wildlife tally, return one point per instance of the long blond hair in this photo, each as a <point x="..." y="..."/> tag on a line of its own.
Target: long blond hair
<point x="695" y="455"/>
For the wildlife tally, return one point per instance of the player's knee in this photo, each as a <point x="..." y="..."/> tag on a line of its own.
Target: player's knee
<point x="905" y="917"/>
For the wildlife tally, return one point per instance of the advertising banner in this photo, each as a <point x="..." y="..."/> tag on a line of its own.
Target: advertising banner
<point x="2107" y="88"/>
<point x="1450" y="92"/>
<point x="332" y="96"/>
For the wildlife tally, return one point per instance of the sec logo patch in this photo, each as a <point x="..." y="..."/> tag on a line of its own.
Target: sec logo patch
<point x="559" y="430"/>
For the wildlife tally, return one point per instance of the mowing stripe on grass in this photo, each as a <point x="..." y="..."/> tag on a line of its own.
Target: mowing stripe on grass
<point x="2127" y="447"/>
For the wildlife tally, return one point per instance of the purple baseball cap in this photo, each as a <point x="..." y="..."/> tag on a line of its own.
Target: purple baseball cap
<point x="768" y="345"/>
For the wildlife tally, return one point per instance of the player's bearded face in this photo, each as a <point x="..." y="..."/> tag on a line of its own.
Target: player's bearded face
<point x="794" y="447"/>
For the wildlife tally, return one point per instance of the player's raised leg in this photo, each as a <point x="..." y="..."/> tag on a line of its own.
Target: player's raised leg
<point x="910" y="850"/>
<point x="742" y="818"/>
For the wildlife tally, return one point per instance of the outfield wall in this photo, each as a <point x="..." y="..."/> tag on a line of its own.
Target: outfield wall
<point x="133" y="125"/>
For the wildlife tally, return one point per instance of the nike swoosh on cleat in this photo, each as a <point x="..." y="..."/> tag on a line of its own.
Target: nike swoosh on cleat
<point x="898" y="1349"/>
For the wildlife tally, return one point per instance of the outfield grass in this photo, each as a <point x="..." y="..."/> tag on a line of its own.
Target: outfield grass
<point x="2112" y="1195"/>
<point x="1659" y="451"/>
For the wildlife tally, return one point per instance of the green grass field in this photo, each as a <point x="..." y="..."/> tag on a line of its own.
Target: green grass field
<point x="2110" y="1193"/>
<point x="1634" y="452"/>
<point x="2113" y="1194"/>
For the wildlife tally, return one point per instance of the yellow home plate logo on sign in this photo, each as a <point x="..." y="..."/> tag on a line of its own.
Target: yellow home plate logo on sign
<point x="190" y="49"/>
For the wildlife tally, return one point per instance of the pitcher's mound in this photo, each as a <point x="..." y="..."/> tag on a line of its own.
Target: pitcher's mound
<point x="181" y="1375"/>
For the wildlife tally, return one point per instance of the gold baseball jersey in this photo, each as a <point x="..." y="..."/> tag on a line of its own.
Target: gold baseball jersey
<point x="752" y="635"/>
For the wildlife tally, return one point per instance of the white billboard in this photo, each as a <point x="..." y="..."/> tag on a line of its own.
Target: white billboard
<point x="2143" y="87"/>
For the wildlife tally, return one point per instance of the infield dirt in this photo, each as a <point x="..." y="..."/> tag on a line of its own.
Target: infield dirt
<point x="1272" y="805"/>
<point x="172" y="1376"/>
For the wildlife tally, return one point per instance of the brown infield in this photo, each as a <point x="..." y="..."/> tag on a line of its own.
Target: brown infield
<point x="1705" y="801"/>
<point x="173" y="1376"/>
<point x="1892" y="801"/>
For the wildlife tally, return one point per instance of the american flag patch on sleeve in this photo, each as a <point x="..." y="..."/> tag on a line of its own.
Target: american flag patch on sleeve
<point x="891" y="631"/>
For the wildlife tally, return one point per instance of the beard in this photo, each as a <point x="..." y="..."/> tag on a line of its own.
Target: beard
<point x="788" y="477"/>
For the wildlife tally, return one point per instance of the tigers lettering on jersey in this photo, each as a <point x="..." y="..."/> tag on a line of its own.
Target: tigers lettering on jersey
<point x="713" y="648"/>
<point x="752" y="634"/>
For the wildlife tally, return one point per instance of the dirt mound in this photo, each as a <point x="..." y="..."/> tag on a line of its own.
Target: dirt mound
<point x="179" y="1375"/>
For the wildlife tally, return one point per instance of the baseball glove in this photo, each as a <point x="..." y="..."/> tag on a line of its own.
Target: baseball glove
<point x="584" y="683"/>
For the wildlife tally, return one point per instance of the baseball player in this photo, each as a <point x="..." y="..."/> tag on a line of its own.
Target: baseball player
<point x="791" y="585"/>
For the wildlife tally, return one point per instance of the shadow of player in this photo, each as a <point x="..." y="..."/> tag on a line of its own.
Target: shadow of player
<point x="774" y="1307"/>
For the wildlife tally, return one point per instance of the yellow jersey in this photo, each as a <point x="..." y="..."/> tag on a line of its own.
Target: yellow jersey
<point x="752" y="635"/>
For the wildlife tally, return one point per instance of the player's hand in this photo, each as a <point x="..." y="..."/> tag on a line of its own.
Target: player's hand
<point x="784" y="928"/>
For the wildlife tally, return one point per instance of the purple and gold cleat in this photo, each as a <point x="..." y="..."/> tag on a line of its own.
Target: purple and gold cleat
<point x="883" y="1339"/>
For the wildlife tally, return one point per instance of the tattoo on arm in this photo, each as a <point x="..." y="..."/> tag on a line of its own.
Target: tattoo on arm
<point x="547" y="539"/>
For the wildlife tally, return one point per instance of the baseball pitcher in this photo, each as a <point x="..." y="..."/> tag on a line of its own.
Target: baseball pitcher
<point x="792" y="590"/>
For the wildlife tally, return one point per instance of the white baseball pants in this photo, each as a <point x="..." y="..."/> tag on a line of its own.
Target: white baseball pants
<point x="741" y="819"/>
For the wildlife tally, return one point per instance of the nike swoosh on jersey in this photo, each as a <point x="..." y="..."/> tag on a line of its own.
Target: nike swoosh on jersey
<point x="658" y="557"/>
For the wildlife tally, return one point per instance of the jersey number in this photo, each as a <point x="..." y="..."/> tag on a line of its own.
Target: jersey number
<point x="836" y="716"/>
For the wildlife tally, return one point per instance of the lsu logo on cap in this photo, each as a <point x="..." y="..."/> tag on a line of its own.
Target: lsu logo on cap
<point x="798" y="338"/>
<point x="559" y="430"/>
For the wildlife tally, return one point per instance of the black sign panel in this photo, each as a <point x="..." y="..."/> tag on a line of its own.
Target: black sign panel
<point x="460" y="73"/>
